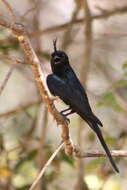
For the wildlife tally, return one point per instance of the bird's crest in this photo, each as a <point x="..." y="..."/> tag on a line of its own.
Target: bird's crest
<point x="54" y="44"/>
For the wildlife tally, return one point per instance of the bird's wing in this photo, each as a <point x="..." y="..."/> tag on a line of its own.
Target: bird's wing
<point x="85" y="110"/>
<point x="60" y="88"/>
<point x="72" y="95"/>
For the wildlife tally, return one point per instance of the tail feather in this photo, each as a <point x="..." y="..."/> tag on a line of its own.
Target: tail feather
<point x="93" y="123"/>
<point x="95" y="119"/>
<point x="99" y="134"/>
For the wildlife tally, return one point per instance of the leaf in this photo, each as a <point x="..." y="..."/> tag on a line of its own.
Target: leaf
<point x="91" y="136"/>
<point x="95" y="163"/>
<point x="108" y="99"/>
<point x="124" y="66"/>
<point x="121" y="83"/>
<point x="5" y="47"/>
<point x="25" y="187"/>
<point x="125" y="73"/>
<point x="29" y="157"/>
<point x="46" y="55"/>
<point x="110" y="140"/>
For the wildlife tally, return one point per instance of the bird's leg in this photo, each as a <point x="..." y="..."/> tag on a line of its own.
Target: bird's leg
<point x="65" y="110"/>
<point x="71" y="112"/>
<point x="65" y="115"/>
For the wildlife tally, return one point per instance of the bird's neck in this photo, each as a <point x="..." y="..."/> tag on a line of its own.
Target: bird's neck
<point x="61" y="71"/>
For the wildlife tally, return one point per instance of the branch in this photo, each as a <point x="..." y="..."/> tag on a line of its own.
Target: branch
<point x="45" y="166"/>
<point x="68" y="36"/>
<point x="8" y="75"/>
<point x="42" y="124"/>
<point x="19" y="32"/>
<point x="13" y="60"/>
<point x="84" y="72"/>
<point x="106" y="14"/>
<point x="19" y="109"/>
<point x="96" y="154"/>
<point x="10" y="11"/>
<point x="114" y="153"/>
<point x="40" y="81"/>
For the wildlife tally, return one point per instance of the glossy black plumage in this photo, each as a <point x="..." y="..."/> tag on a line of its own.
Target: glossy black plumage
<point x="65" y="84"/>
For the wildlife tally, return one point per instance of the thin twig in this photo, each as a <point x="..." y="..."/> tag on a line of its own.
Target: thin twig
<point x="114" y="153"/>
<point x="96" y="154"/>
<point x="8" y="75"/>
<point x="67" y="38"/>
<point x="10" y="11"/>
<point x="106" y="14"/>
<point x="42" y="125"/>
<point x="19" y="109"/>
<point x="45" y="166"/>
<point x="13" y="60"/>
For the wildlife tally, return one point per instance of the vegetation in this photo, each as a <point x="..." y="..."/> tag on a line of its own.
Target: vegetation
<point x="93" y="33"/>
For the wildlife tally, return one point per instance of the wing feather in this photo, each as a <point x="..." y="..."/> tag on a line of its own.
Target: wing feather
<point x="73" y="96"/>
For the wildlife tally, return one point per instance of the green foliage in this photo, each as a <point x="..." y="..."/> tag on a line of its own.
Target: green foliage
<point x="22" y="163"/>
<point x="120" y="83"/>
<point x="91" y="136"/>
<point x="124" y="65"/>
<point x="95" y="164"/>
<point x="109" y="100"/>
<point x="110" y="140"/>
<point x="46" y="55"/>
<point x="7" y="46"/>
<point x="125" y="73"/>
<point x="25" y="187"/>
<point x="68" y="159"/>
<point x="28" y="157"/>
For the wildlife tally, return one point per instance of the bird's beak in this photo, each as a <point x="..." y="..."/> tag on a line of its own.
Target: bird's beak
<point x="56" y="59"/>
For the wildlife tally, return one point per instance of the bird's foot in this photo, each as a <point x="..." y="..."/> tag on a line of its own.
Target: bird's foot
<point x="67" y="119"/>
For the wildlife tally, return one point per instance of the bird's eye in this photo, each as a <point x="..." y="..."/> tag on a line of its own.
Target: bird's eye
<point x="56" y="59"/>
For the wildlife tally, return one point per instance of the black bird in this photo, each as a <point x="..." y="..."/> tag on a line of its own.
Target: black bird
<point x="65" y="84"/>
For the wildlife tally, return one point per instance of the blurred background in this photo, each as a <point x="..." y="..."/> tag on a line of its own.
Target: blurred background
<point x="94" y="35"/>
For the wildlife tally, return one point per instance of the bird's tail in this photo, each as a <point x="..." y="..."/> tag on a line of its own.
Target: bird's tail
<point x="99" y="134"/>
<point x="94" y="125"/>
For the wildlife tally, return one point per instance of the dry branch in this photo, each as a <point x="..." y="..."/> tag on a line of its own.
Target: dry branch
<point x="45" y="166"/>
<point x="114" y="153"/>
<point x="13" y="60"/>
<point x="19" y="32"/>
<point x="84" y="72"/>
<point x="106" y="14"/>
<point x="10" y="11"/>
<point x="8" y="75"/>
<point x="68" y="36"/>
<point x="19" y="109"/>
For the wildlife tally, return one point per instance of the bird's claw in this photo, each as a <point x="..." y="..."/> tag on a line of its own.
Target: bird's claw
<point x="67" y="119"/>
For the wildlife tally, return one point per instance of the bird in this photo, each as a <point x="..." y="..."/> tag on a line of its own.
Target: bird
<point x="64" y="84"/>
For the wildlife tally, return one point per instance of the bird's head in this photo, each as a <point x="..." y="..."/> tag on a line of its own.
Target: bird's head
<point x="58" y="58"/>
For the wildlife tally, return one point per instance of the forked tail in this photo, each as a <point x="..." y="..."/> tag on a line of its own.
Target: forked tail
<point x="99" y="134"/>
